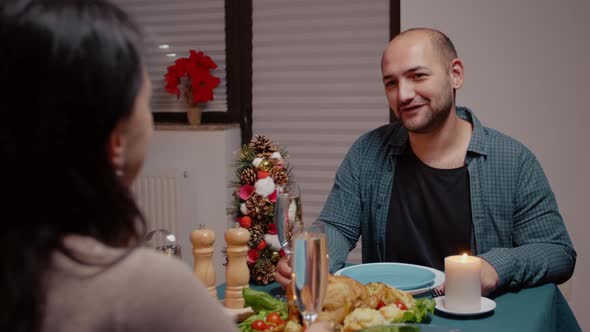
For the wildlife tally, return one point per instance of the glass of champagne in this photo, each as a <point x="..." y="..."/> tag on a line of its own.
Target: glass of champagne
<point x="288" y="216"/>
<point x="310" y="271"/>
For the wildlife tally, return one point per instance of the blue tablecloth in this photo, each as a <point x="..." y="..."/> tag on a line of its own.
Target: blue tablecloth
<point x="535" y="309"/>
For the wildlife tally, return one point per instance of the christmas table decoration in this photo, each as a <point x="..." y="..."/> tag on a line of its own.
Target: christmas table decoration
<point x="261" y="173"/>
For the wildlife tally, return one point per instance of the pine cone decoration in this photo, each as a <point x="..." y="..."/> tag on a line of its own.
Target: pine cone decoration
<point x="263" y="211"/>
<point x="248" y="175"/>
<point x="257" y="206"/>
<point x="262" y="273"/>
<point x="279" y="176"/>
<point x="256" y="235"/>
<point x="251" y="206"/>
<point x="263" y="146"/>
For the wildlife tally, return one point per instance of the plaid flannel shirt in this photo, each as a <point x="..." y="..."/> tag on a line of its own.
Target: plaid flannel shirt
<point x="517" y="226"/>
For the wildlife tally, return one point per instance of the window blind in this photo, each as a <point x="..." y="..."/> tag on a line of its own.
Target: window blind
<point x="173" y="27"/>
<point x="316" y="83"/>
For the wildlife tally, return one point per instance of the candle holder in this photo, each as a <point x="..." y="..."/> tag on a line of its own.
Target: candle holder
<point x="463" y="283"/>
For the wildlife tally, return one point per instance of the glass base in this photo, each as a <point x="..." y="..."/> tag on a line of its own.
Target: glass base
<point x="309" y="318"/>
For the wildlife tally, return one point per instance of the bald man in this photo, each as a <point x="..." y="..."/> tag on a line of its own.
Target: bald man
<point x="437" y="183"/>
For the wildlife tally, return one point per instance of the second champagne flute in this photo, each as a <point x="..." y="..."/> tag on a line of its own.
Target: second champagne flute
<point x="310" y="271"/>
<point x="288" y="217"/>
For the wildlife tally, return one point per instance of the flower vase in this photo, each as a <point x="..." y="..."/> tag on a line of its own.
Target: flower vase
<point x="193" y="114"/>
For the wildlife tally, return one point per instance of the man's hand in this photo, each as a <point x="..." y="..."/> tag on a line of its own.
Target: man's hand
<point x="283" y="272"/>
<point x="489" y="278"/>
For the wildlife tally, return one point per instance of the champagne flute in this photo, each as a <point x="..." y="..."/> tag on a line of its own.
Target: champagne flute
<point x="310" y="271"/>
<point x="288" y="217"/>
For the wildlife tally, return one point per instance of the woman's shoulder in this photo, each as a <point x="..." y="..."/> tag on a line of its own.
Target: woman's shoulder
<point x="143" y="289"/>
<point x="170" y="295"/>
<point x="146" y="261"/>
<point x="150" y="274"/>
<point x="139" y="269"/>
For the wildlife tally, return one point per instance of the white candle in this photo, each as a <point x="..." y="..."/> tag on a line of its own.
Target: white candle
<point x="463" y="283"/>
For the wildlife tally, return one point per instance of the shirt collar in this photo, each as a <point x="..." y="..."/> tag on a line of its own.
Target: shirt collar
<point x="399" y="142"/>
<point x="477" y="143"/>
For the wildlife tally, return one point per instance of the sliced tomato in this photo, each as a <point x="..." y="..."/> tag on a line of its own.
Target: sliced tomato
<point x="380" y="305"/>
<point x="259" y="325"/>
<point x="401" y="305"/>
<point x="274" y="317"/>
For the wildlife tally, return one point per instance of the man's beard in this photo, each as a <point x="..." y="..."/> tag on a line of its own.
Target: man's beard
<point x="435" y="117"/>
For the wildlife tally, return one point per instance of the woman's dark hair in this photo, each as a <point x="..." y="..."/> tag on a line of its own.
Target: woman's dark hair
<point x="70" y="71"/>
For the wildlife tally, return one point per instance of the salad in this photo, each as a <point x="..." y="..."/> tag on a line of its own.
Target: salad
<point x="348" y="306"/>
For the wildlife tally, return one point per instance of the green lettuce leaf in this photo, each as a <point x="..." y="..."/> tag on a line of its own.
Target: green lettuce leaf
<point x="246" y="325"/>
<point x="418" y="313"/>
<point x="261" y="301"/>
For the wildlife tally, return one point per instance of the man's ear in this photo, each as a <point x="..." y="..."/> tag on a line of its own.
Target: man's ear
<point x="117" y="147"/>
<point x="456" y="73"/>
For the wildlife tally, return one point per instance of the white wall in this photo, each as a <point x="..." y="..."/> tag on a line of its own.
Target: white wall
<point x="204" y="158"/>
<point x="526" y="66"/>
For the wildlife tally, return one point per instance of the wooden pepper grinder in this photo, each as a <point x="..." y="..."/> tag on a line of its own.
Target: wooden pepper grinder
<point x="203" y="239"/>
<point x="237" y="274"/>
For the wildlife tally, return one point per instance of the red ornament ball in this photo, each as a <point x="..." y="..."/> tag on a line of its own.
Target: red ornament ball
<point x="261" y="245"/>
<point x="246" y="222"/>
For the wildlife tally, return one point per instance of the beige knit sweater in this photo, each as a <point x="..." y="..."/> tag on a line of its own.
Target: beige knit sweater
<point x="100" y="288"/>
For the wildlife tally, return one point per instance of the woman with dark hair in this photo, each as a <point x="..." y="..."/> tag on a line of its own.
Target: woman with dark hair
<point x="74" y="100"/>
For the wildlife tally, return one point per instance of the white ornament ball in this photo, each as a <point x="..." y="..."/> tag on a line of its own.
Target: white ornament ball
<point x="264" y="187"/>
<point x="243" y="209"/>
<point x="256" y="162"/>
<point x="276" y="155"/>
<point x="273" y="241"/>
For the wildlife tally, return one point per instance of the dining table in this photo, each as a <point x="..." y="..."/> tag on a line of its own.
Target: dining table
<point x="539" y="309"/>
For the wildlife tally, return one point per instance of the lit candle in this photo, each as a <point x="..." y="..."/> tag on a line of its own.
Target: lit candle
<point x="463" y="283"/>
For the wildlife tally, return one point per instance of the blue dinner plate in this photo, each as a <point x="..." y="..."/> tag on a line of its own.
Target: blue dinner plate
<point x="398" y="275"/>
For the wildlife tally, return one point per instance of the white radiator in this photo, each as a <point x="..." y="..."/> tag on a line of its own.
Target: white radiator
<point x="158" y="198"/>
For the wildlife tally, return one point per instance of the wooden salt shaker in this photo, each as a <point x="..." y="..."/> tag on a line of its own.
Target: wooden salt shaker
<point x="237" y="274"/>
<point x="203" y="239"/>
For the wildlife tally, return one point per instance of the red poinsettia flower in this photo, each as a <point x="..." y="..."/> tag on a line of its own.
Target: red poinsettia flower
<point x="202" y="59"/>
<point x="193" y="73"/>
<point x="182" y="66"/>
<point x="172" y="80"/>
<point x="203" y="84"/>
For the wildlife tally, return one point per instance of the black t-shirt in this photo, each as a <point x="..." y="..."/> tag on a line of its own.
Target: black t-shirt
<point x="429" y="213"/>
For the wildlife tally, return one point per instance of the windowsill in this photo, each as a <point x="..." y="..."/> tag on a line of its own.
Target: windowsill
<point x="201" y="127"/>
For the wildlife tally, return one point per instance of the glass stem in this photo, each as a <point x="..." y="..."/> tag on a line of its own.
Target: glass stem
<point x="309" y="317"/>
